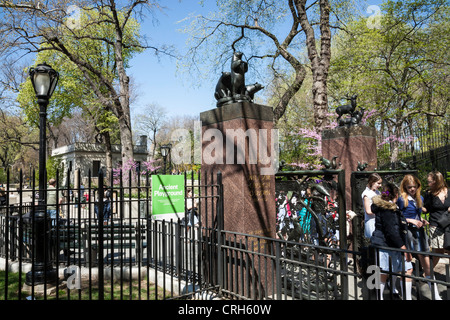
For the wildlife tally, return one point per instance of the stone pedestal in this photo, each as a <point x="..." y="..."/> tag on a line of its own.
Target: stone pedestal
<point x="350" y="145"/>
<point x="237" y="141"/>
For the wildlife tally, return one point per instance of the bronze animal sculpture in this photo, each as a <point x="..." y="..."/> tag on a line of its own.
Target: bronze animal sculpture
<point x="348" y="108"/>
<point x="326" y="163"/>
<point x="250" y="90"/>
<point x="231" y="85"/>
<point x="362" y="166"/>
<point x="238" y="70"/>
<point x="355" y="119"/>
<point x="357" y="116"/>
<point x="329" y="164"/>
<point x="223" y="86"/>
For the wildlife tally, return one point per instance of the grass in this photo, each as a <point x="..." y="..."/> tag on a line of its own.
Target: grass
<point x="89" y="290"/>
<point x="13" y="286"/>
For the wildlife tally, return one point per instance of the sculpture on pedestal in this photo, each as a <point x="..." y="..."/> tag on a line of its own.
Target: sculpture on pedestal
<point x="231" y="85"/>
<point x="361" y="166"/>
<point x="329" y="164"/>
<point x="238" y="70"/>
<point x="355" y="116"/>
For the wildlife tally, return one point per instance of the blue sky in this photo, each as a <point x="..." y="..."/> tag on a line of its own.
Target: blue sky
<point x="157" y="81"/>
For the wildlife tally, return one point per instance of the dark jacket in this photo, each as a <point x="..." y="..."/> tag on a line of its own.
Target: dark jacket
<point x="435" y="206"/>
<point x="390" y="225"/>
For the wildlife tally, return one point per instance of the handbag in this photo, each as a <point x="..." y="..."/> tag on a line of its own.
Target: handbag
<point x="447" y="239"/>
<point x="444" y="220"/>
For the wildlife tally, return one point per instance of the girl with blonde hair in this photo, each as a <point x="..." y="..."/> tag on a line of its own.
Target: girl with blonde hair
<point x="410" y="204"/>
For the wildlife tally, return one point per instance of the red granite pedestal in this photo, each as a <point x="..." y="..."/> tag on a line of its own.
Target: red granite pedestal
<point x="351" y="145"/>
<point x="237" y="141"/>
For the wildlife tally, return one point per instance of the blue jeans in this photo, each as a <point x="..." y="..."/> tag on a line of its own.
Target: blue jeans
<point x="106" y="210"/>
<point x="52" y="215"/>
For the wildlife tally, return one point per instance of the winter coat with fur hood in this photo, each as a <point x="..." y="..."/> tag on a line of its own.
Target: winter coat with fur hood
<point x="390" y="225"/>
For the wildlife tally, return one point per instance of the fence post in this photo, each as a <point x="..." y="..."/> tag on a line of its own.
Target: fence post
<point x="101" y="291"/>
<point x="278" y="269"/>
<point x="220" y="226"/>
<point x="343" y="234"/>
<point x="368" y="258"/>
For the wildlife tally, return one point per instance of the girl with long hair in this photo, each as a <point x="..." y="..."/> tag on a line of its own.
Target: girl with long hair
<point x="373" y="184"/>
<point x="410" y="204"/>
<point x="437" y="203"/>
<point x="390" y="231"/>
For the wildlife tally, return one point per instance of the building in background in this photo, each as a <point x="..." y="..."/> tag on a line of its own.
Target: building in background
<point x="92" y="156"/>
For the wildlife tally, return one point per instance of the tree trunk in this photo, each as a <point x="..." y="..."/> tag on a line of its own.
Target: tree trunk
<point x="108" y="154"/>
<point x="320" y="91"/>
<point x="320" y="64"/>
<point x="126" y="140"/>
<point x="280" y="109"/>
<point x="320" y="101"/>
<point x="154" y="146"/>
<point x="395" y="143"/>
<point x="123" y="107"/>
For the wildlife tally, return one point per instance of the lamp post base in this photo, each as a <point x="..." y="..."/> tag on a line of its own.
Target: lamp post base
<point x="42" y="270"/>
<point x="41" y="276"/>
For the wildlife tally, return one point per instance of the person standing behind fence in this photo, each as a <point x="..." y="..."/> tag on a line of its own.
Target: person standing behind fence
<point x="410" y="203"/>
<point x="391" y="231"/>
<point x="2" y="197"/>
<point x="52" y="195"/>
<point x="373" y="184"/>
<point x="106" y="206"/>
<point x="191" y="207"/>
<point x="437" y="204"/>
<point x="304" y="216"/>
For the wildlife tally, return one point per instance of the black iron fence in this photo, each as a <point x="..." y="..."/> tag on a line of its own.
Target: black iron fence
<point x="424" y="148"/>
<point x="104" y="247"/>
<point x="132" y="255"/>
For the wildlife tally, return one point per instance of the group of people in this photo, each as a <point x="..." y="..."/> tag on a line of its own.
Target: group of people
<point x="294" y="222"/>
<point x="394" y="218"/>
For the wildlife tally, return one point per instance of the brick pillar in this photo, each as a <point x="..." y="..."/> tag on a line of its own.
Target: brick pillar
<point x="350" y="145"/>
<point x="235" y="140"/>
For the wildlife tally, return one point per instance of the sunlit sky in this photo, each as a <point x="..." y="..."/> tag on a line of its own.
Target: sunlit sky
<point x="157" y="80"/>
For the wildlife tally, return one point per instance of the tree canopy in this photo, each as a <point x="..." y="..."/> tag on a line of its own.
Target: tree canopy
<point x="103" y="26"/>
<point x="274" y="35"/>
<point x="399" y="68"/>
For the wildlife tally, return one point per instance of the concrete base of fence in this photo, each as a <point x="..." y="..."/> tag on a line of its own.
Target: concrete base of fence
<point x="14" y="266"/>
<point x="40" y="288"/>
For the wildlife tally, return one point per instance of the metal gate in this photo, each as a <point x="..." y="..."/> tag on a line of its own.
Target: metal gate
<point x="318" y="254"/>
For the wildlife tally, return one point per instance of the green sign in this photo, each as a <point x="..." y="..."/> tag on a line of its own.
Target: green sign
<point x="167" y="194"/>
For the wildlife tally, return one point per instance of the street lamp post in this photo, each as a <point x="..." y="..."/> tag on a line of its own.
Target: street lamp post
<point x="165" y="150"/>
<point x="44" y="80"/>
